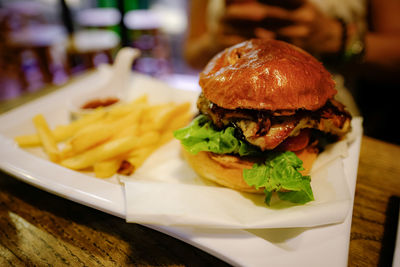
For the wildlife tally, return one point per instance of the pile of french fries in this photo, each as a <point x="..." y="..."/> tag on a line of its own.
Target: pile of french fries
<point x="110" y="140"/>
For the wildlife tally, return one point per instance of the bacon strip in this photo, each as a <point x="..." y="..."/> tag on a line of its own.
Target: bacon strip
<point x="272" y="138"/>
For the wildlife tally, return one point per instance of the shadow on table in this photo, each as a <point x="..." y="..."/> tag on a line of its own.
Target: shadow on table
<point x="390" y="232"/>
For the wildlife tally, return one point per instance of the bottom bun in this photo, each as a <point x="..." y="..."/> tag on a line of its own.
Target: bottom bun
<point x="227" y="170"/>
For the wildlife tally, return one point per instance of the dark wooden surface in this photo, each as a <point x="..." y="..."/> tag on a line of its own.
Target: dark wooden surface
<point x="377" y="191"/>
<point x="38" y="228"/>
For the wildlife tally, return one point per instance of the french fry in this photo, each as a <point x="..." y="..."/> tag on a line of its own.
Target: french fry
<point x="131" y="107"/>
<point x="88" y="137"/>
<point x="28" y="140"/>
<point x="138" y="157"/>
<point x="150" y="113"/>
<point x="178" y="122"/>
<point x="106" y="151"/>
<point x="131" y="130"/>
<point x="149" y="143"/>
<point x="126" y="168"/>
<point x="67" y="151"/>
<point x="147" y="140"/>
<point x="99" y="153"/>
<point x="46" y="138"/>
<point x="61" y="132"/>
<point x="107" y="168"/>
<point x="169" y="115"/>
<point x="100" y="132"/>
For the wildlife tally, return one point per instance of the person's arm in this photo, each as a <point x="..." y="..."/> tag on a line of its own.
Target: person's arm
<point x="383" y="50"/>
<point x="382" y="43"/>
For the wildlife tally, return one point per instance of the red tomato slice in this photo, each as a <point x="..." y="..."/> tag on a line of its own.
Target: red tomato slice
<point x="296" y="143"/>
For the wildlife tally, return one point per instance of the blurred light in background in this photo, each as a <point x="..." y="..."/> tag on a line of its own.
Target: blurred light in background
<point x="172" y="16"/>
<point x="46" y="42"/>
<point x="98" y="17"/>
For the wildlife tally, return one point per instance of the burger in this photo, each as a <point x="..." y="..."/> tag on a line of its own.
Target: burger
<point x="266" y="110"/>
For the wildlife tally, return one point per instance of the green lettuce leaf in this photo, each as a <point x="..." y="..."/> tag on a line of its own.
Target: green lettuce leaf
<point x="280" y="170"/>
<point x="201" y="135"/>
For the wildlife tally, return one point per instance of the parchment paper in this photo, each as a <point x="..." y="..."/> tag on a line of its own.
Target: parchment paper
<point x="166" y="191"/>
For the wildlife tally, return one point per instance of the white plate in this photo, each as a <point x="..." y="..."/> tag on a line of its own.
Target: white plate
<point x="318" y="246"/>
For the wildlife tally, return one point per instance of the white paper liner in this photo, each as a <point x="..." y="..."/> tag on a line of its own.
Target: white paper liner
<point x="165" y="191"/>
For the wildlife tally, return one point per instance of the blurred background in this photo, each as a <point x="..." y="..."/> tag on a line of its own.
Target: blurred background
<point x="46" y="42"/>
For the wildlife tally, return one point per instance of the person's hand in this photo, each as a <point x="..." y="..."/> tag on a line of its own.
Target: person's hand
<point x="298" y="22"/>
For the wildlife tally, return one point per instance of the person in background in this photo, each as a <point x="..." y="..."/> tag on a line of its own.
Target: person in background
<point x="382" y="41"/>
<point x="376" y="77"/>
<point x="329" y="29"/>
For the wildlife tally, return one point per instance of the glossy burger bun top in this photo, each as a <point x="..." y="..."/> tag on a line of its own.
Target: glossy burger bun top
<point x="266" y="75"/>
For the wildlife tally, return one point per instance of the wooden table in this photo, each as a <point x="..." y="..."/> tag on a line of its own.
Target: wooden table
<point x="377" y="197"/>
<point x="38" y="228"/>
